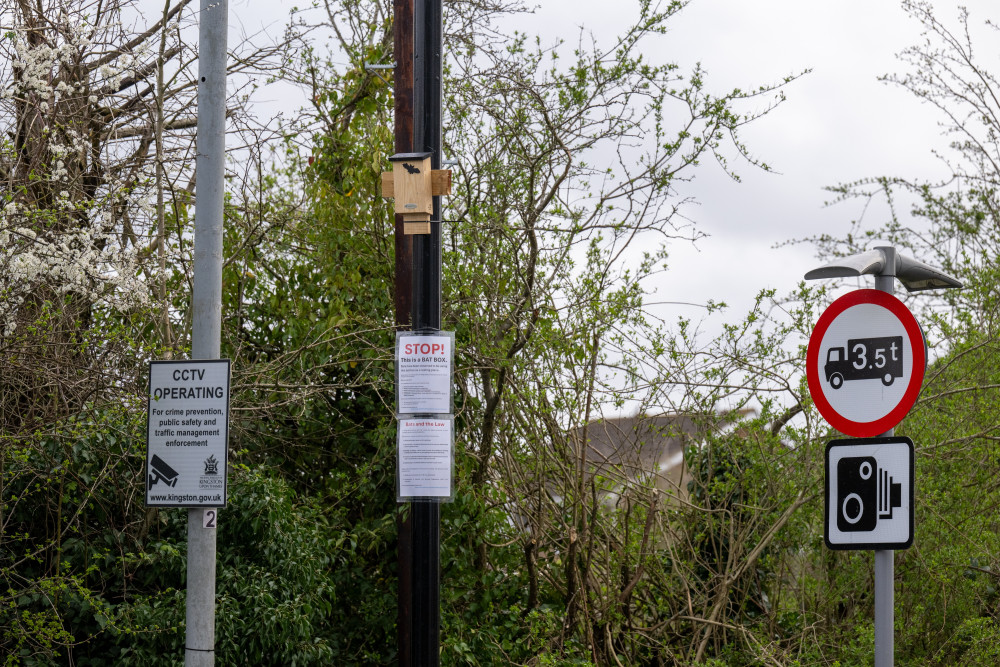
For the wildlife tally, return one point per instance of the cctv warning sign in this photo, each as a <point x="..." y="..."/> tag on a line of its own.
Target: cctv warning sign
<point x="424" y="372"/>
<point x="187" y="433"/>
<point x="869" y="493"/>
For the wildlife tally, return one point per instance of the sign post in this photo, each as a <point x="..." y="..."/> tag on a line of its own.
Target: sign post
<point x="206" y="306"/>
<point x="417" y="47"/>
<point x="865" y="365"/>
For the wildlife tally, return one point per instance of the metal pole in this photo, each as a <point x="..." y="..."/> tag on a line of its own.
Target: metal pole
<point x="403" y="95"/>
<point x="884" y="563"/>
<point x="206" y="329"/>
<point x="428" y="28"/>
<point x="884" y="603"/>
<point x="426" y="316"/>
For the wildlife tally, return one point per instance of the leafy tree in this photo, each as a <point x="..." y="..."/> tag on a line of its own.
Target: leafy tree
<point x="560" y="217"/>
<point x="547" y="262"/>
<point x="95" y="159"/>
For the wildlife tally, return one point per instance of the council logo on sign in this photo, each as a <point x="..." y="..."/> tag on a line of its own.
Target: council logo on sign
<point x="211" y="480"/>
<point x="211" y="465"/>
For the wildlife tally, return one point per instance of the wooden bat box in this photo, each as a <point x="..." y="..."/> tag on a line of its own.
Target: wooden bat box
<point x="413" y="184"/>
<point x="411" y="175"/>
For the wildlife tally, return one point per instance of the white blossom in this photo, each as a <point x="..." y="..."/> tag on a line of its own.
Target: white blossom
<point x="84" y="254"/>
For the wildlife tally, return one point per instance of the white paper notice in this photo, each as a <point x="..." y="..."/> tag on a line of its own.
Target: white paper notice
<point x="423" y="373"/>
<point x="425" y="457"/>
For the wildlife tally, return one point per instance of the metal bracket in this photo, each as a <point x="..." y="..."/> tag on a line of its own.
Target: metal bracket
<point x="378" y="67"/>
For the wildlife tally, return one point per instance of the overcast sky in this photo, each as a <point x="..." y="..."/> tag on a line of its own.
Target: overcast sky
<point x="839" y="124"/>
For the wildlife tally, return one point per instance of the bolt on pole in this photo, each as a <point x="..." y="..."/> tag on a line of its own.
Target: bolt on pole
<point x="206" y="329"/>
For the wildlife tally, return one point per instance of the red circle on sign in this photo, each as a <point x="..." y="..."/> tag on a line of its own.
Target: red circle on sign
<point x="915" y="339"/>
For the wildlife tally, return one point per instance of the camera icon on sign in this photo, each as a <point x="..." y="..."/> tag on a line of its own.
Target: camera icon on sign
<point x="865" y="494"/>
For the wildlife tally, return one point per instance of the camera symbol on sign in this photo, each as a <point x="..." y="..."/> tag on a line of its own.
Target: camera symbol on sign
<point x="865" y="494"/>
<point x="159" y="471"/>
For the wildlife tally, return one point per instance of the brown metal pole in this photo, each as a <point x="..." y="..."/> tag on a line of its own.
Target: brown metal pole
<point x="403" y="130"/>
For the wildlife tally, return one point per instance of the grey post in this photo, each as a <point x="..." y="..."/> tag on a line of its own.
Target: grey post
<point x="886" y="265"/>
<point x="206" y="330"/>
<point x="885" y="593"/>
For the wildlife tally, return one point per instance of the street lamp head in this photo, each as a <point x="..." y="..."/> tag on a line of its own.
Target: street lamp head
<point x="915" y="276"/>
<point x="871" y="262"/>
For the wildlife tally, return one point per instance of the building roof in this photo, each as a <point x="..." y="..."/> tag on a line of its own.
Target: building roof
<point x="635" y="446"/>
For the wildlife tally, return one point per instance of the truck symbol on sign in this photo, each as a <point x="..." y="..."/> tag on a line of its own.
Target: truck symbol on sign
<point x="865" y="359"/>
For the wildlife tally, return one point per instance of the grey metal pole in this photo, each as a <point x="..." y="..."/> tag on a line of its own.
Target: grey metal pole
<point x="884" y="562"/>
<point x="884" y="604"/>
<point x="206" y="330"/>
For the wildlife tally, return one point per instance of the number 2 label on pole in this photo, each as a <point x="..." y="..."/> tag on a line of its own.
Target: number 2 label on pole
<point x="865" y="363"/>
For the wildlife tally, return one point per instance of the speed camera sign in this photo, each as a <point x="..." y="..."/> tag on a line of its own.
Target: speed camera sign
<point x="869" y="493"/>
<point x="865" y="363"/>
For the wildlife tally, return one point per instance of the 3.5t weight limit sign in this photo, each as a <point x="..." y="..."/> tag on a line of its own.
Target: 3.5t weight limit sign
<point x="865" y="359"/>
<point x="865" y="363"/>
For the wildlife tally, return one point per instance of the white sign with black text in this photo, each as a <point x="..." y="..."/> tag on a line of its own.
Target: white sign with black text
<point x="423" y="372"/>
<point x="187" y="433"/>
<point x="426" y="453"/>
